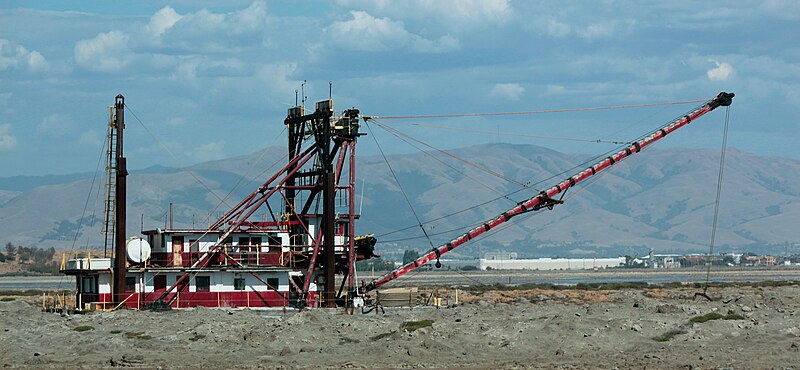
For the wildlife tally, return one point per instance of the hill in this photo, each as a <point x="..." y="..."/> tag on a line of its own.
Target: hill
<point x="660" y="199"/>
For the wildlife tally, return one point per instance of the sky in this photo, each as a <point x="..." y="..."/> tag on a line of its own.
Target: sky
<point x="210" y="81"/>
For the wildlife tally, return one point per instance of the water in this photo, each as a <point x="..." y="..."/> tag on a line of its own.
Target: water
<point x="36" y="282"/>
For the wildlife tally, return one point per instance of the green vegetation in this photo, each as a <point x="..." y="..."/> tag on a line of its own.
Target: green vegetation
<point x="137" y="335"/>
<point x="33" y="292"/>
<point x="7" y="299"/>
<point x="715" y="316"/>
<point x="626" y="285"/>
<point x="381" y="336"/>
<point x="669" y="335"/>
<point x="695" y="320"/>
<point x="414" y="325"/>
<point x="375" y="263"/>
<point x="410" y="255"/>
<point x="34" y="259"/>
<point x="197" y="337"/>
<point x="612" y="286"/>
<point x="83" y="328"/>
<point x="115" y="331"/>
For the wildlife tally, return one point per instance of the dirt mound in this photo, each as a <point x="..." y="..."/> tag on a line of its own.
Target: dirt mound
<point x="742" y="328"/>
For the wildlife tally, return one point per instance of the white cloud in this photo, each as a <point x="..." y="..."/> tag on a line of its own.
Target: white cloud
<point x="511" y="91"/>
<point x="598" y="30"/>
<point x="16" y="56"/>
<point x="558" y="29"/>
<point x="367" y="33"/>
<point x="91" y="138"/>
<point x="7" y="139"/>
<point x="591" y="31"/>
<point x="208" y="151"/>
<point x="162" y="20"/>
<point x="721" y="72"/>
<point x="107" y="52"/>
<point x="452" y="12"/>
<point x="54" y="124"/>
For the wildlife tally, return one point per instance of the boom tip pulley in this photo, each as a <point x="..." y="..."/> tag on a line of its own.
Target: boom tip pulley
<point x="724" y="99"/>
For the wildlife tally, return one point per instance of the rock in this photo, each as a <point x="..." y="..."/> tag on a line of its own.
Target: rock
<point x="668" y="308"/>
<point x="483" y="303"/>
<point x="746" y="309"/>
<point x="542" y="297"/>
<point x="286" y="351"/>
<point x="560" y="296"/>
<point x="794" y="347"/>
<point x="636" y="327"/>
<point x="523" y="300"/>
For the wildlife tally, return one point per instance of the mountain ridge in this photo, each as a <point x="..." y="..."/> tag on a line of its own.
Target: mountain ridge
<point x="660" y="199"/>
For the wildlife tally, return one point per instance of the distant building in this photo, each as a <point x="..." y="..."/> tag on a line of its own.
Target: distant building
<point x="760" y="260"/>
<point x="500" y="256"/>
<point x="551" y="263"/>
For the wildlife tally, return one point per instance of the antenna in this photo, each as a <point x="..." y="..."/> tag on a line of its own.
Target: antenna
<point x="303" y="91"/>
<point x="295" y="97"/>
<point x="330" y="89"/>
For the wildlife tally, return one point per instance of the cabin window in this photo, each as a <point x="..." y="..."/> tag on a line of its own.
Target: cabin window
<point x="160" y="282"/>
<point x="202" y="283"/>
<point x="227" y="241"/>
<point x="273" y="283"/>
<point x="256" y="240"/>
<point x="238" y="283"/>
<point x="130" y="284"/>
<point x="244" y="241"/>
<point x="274" y="240"/>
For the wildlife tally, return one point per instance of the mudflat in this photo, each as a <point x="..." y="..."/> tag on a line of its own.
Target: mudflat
<point x="743" y="327"/>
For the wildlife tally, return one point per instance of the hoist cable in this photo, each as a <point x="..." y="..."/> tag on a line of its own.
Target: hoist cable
<point x="400" y="186"/>
<point x="719" y="192"/>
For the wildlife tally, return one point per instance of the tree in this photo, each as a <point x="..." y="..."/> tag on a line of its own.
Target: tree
<point x="11" y="251"/>
<point x="409" y="256"/>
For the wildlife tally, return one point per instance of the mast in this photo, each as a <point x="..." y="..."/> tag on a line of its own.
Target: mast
<point x="120" y="262"/>
<point x="545" y="198"/>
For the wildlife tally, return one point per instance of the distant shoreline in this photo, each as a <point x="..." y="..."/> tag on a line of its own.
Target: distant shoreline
<point x="559" y="277"/>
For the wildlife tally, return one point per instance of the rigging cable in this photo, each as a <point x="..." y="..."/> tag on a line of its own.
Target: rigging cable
<point x="529" y="183"/>
<point x="399" y="134"/>
<point x="166" y="149"/>
<point x="86" y="204"/>
<point x="716" y="201"/>
<point x="540" y="111"/>
<point x="597" y="141"/>
<point x="419" y="222"/>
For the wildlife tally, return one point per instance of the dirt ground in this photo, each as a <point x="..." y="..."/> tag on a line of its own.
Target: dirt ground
<point x="749" y="328"/>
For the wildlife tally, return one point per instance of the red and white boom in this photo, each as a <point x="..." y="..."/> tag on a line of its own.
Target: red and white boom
<point x="545" y="198"/>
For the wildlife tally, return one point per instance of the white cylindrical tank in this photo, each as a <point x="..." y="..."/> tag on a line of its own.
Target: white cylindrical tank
<point x="138" y="250"/>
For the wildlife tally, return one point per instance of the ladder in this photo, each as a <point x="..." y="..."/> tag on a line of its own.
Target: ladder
<point x="109" y="221"/>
